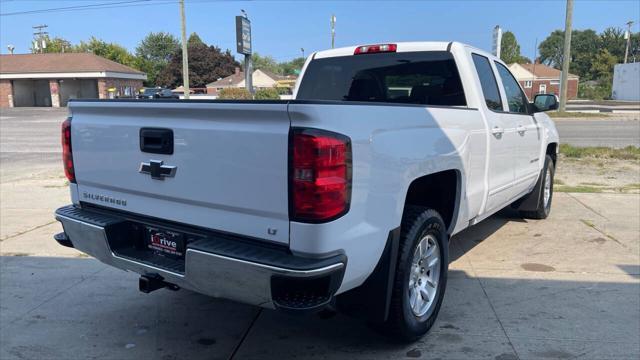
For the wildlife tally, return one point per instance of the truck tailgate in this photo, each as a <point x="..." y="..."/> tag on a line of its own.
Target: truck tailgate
<point x="230" y="159"/>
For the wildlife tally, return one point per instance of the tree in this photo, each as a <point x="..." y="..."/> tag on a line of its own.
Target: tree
<point x="206" y="64"/>
<point x="634" y="48"/>
<point x="510" y="49"/>
<point x="584" y="45"/>
<point x="154" y="53"/>
<point x="602" y="67"/>
<point x="292" y="67"/>
<point x="613" y="40"/>
<point x="111" y="51"/>
<point x="266" y="63"/>
<point x="551" y="49"/>
<point x="54" y="45"/>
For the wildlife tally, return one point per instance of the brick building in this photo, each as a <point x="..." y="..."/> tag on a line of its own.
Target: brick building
<point x="52" y="79"/>
<point x="542" y="79"/>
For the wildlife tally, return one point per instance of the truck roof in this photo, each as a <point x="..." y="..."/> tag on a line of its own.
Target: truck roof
<point x="401" y="47"/>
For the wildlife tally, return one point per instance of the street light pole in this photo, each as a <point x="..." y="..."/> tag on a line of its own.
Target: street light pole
<point x="626" y="51"/>
<point x="185" y="53"/>
<point x="302" y="49"/>
<point x="566" y="57"/>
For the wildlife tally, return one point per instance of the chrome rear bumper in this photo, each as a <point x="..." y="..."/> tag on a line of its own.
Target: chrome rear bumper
<point x="214" y="265"/>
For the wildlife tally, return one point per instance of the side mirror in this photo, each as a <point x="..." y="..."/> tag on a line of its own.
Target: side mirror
<point x="545" y="102"/>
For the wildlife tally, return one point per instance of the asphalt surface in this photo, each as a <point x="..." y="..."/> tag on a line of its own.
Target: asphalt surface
<point x="29" y="140"/>
<point x="608" y="132"/>
<point x="564" y="288"/>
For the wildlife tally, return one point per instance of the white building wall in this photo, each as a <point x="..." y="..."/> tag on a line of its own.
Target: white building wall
<point x="626" y="82"/>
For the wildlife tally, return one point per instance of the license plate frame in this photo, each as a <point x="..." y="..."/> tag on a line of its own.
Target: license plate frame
<point x="165" y="242"/>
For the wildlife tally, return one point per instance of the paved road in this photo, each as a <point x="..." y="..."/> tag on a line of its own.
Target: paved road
<point x="609" y="132"/>
<point x="564" y="288"/>
<point x="29" y="140"/>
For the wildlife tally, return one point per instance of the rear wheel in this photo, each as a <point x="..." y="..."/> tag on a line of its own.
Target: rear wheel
<point x="546" y="194"/>
<point x="421" y="274"/>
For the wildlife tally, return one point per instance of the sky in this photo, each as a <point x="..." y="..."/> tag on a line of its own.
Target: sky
<point x="281" y="28"/>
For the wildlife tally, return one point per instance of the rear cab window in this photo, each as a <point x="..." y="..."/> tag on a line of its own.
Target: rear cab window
<point x="426" y="77"/>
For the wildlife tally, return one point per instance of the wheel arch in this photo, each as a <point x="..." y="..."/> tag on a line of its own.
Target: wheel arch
<point x="441" y="191"/>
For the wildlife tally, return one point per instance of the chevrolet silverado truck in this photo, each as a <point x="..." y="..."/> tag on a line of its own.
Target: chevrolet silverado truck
<point x="343" y="198"/>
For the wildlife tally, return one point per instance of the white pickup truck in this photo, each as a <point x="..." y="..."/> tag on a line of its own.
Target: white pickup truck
<point x="343" y="198"/>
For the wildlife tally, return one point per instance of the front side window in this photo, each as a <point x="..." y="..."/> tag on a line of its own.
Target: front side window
<point x="516" y="100"/>
<point x="429" y="78"/>
<point x="488" y="82"/>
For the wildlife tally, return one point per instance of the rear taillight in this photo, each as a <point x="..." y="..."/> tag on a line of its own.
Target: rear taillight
<point x="67" y="154"/>
<point x="371" y="49"/>
<point x="320" y="175"/>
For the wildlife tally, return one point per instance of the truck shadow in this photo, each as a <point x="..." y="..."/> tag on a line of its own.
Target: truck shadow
<point x="467" y="239"/>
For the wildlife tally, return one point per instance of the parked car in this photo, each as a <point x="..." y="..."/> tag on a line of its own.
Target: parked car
<point x="157" y="93"/>
<point x="343" y="198"/>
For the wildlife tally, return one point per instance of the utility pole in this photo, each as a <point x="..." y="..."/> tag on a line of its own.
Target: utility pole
<point x="302" y="49"/>
<point x="626" y="51"/>
<point x="496" y="46"/>
<point x="39" y="43"/>
<point x="185" y="53"/>
<point x="566" y="56"/>
<point x="333" y="31"/>
<point x="533" y="76"/>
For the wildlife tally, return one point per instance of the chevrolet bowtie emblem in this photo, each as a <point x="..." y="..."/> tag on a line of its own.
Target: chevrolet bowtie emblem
<point x="157" y="170"/>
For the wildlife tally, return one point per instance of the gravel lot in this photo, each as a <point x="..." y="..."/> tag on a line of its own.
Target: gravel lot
<point x="567" y="287"/>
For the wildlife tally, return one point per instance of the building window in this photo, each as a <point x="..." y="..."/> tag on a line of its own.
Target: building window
<point x="554" y="82"/>
<point x="528" y="84"/>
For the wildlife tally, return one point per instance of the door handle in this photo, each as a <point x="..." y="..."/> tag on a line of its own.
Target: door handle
<point x="497" y="131"/>
<point x="156" y="141"/>
<point x="521" y="130"/>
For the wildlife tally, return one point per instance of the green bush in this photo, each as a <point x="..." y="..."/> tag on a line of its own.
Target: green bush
<point x="234" y="94"/>
<point x="267" y="94"/>
<point x="628" y="153"/>
<point x="599" y="91"/>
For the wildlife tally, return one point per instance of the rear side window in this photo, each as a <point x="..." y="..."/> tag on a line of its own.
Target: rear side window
<point x="488" y="82"/>
<point x="516" y="99"/>
<point x="429" y="78"/>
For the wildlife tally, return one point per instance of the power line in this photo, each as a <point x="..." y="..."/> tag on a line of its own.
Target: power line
<point x="81" y="7"/>
<point x="111" y="5"/>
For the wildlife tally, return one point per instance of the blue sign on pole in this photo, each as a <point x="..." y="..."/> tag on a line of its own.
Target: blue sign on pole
<point x="243" y="35"/>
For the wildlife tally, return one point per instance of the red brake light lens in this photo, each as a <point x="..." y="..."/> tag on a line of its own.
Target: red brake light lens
<point x="320" y="178"/>
<point x="371" y="49"/>
<point x="67" y="154"/>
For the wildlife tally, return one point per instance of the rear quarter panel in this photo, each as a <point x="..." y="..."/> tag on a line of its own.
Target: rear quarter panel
<point x="392" y="146"/>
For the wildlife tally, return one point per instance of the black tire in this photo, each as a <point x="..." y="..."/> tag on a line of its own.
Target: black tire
<point x="417" y="222"/>
<point x="543" y="210"/>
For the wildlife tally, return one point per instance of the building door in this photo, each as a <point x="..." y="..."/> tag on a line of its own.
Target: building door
<point x="31" y="93"/>
<point x="77" y="89"/>
<point x="543" y="89"/>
